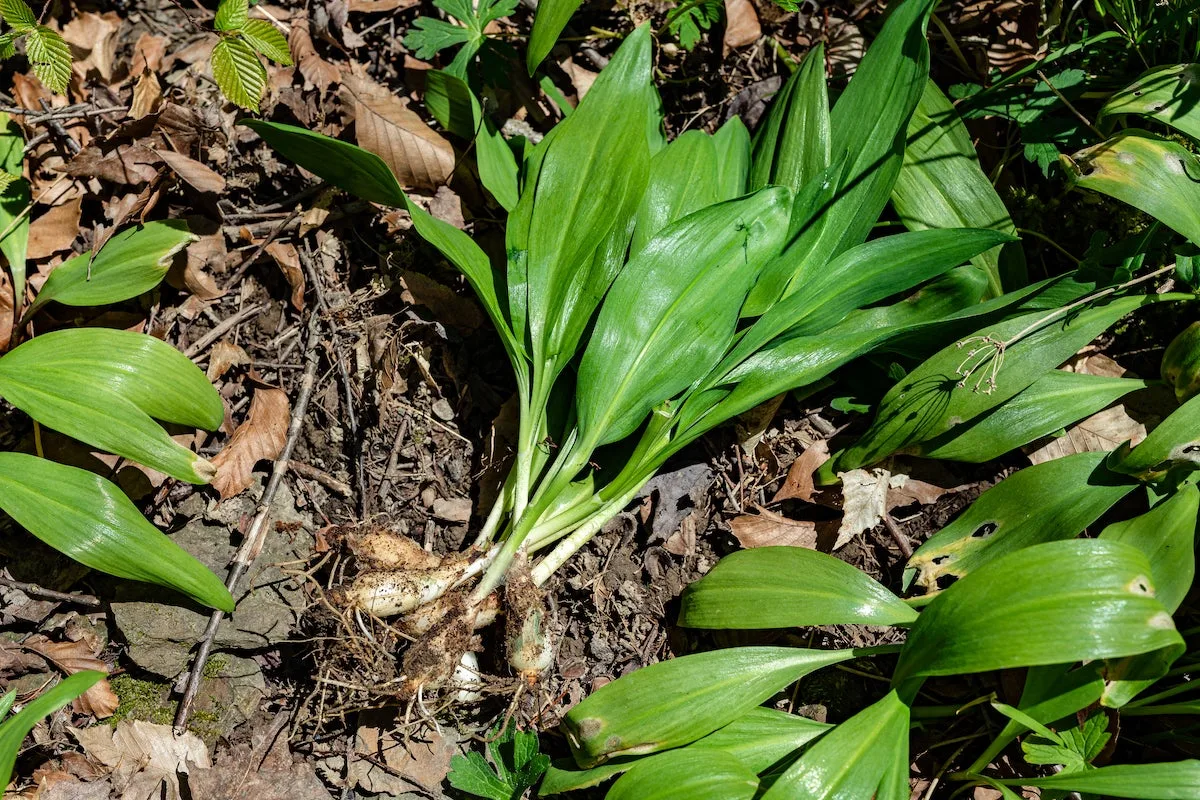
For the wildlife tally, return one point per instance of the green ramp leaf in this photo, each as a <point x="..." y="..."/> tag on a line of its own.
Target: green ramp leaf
<point x="1152" y="174"/>
<point x="941" y="185"/>
<point x="1174" y="780"/>
<point x="14" y="220"/>
<point x="1169" y="94"/>
<point x="552" y="16"/>
<point x="14" y="730"/>
<point x="132" y="262"/>
<point x="1050" y="403"/>
<point x="783" y="587"/>
<point x="1061" y="601"/>
<point x="1175" y="443"/>
<point x="673" y="703"/>
<point x="695" y="774"/>
<point x="791" y="146"/>
<point x="91" y="520"/>
<point x="1053" y="500"/>
<point x="852" y="759"/>
<point x="106" y="387"/>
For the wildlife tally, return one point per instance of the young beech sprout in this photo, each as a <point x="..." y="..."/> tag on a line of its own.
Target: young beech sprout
<point x="648" y="293"/>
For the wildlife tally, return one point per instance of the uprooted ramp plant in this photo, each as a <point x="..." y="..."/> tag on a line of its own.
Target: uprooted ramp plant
<point x="650" y="293"/>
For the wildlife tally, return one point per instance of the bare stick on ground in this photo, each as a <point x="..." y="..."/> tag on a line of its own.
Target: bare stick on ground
<point x="257" y="534"/>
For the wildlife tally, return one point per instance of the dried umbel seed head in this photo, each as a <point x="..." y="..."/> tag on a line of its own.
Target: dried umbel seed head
<point x="1181" y="363"/>
<point x="379" y="548"/>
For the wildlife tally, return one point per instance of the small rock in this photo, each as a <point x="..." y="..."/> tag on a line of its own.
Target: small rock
<point x="443" y="410"/>
<point x="455" y="510"/>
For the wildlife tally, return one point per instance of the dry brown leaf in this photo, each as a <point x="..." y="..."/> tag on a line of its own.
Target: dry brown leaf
<point x="6" y="310"/>
<point x="54" y="231"/>
<point x="380" y="6"/>
<point x="1095" y="364"/>
<point x="741" y="24"/>
<point x="100" y="700"/>
<point x="93" y="40"/>
<point x="385" y="125"/>
<point x="147" y="95"/>
<point x="131" y="164"/>
<point x="288" y="259"/>
<point x="446" y="305"/>
<point x="148" y="52"/>
<point x="144" y="758"/>
<point x="864" y="501"/>
<point x="766" y="528"/>
<point x="260" y="438"/>
<point x="582" y="79"/>
<point x="316" y="71"/>
<point x="197" y="175"/>
<point x="799" y="483"/>
<point x="277" y="776"/>
<point x="222" y="356"/>
<point x="909" y="491"/>
<point x="1103" y="431"/>
<point x="194" y="271"/>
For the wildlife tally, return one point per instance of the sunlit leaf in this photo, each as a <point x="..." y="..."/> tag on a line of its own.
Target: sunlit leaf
<point x="14" y="730"/>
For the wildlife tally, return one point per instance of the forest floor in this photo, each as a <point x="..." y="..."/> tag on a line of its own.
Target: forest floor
<point x="411" y="415"/>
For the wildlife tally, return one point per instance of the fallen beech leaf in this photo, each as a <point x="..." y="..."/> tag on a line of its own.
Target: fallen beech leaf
<point x="905" y="491"/>
<point x="741" y="24"/>
<point x="1095" y="364"/>
<point x="192" y="172"/>
<point x="143" y="757"/>
<point x="260" y="438"/>
<point x="799" y="482"/>
<point x="6" y="310"/>
<point x="54" y="231"/>
<point x="288" y="259"/>
<point x="864" y="501"/>
<point x="442" y="301"/>
<point x="380" y="6"/>
<point x="100" y="700"/>
<point x="277" y="776"/>
<point x="582" y="79"/>
<point x="222" y="356"/>
<point x="1104" y="430"/>
<point x="148" y="52"/>
<point x="92" y="37"/>
<point x="147" y="95"/>
<point x="316" y="71"/>
<point x="385" y="125"/>
<point x="194" y="270"/>
<point x="766" y="529"/>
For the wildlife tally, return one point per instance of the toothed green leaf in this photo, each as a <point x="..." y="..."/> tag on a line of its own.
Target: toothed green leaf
<point x="50" y="57"/>
<point x="239" y="74"/>
<point x="266" y="39"/>
<point x="232" y="15"/>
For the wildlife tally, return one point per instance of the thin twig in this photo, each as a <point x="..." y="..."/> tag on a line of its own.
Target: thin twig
<point x="33" y="590"/>
<point x="898" y="535"/>
<point x="258" y="251"/>
<point x="257" y="534"/>
<point x="228" y="324"/>
<point x="69" y="141"/>
<point x="356" y="454"/>
<point x="1087" y="122"/>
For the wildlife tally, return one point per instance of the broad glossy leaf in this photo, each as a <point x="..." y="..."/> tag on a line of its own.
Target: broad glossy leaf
<point x="936" y="397"/>
<point x="791" y="145"/>
<point x="1175" y="443"/>
<point x="1050" y="403"/>
<point x="1173" y="780"/>
<point x="103" y="387"/>
<point x="864" y="274"/>
<point x="552" y="16"/>
<point x="732" y="143"/>
<point x="584" y="181"/>
<point x="13" y="227"/>
<point x="1053" y="500"/>
<point x="132" y="262"/>
<point x="852" y="759"/>
<point x="90" y="519"/>
<point x="364" y="174"/>
<point x="758" y="739"/>
<point x="868" y="122"/>
<point x="14" y="730"/>
<point x="1152" y="174"/>
<point x="1169" y="94"/>
<point x="673" y="703"/>
<point x="782" y="587"/>
<point x="707" y="775"/>
<point x="672" y="312"/>
<point x="1166" y="535"/>
<point x="941" y="185"/>
<point x="684" y="177"/>
<point x="454" y="106"/>
<point x="346" y="166"/>
<point x="1046" y="604"/>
